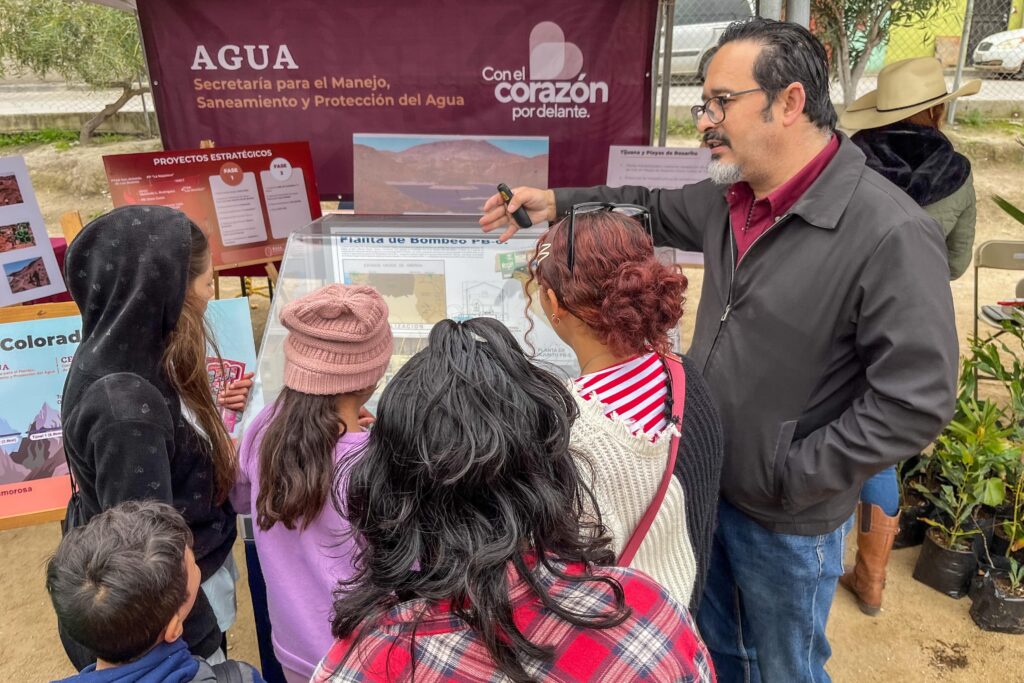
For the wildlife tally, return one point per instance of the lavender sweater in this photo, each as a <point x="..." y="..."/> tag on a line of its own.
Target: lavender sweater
<point x="301" y="568"/>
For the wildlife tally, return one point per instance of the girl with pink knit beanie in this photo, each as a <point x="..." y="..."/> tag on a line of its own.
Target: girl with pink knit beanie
<point x="338" y="348"/>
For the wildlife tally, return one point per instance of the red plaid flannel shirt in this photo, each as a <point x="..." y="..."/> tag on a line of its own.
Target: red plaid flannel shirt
<point x="658" y="642"/>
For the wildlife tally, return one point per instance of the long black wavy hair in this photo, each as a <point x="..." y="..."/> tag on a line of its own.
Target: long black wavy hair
<point x="468" y="468"/>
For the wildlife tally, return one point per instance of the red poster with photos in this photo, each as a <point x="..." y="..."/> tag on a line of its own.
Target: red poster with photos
<point x="246" y="199"/>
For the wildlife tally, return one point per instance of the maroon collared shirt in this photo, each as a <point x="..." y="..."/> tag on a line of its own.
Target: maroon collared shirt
<point x="750" y="218"/>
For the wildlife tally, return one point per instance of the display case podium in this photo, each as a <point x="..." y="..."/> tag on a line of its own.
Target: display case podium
<point x="427" y="268"/>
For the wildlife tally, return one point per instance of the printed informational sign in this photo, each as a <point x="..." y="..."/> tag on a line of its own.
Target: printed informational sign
<point x="657" y="167"/>
<point x="578" y="72"/>
<point x="246" y="199"/>
<point x="35" y="357"/>
<point x="446" y="174"/>
<point x="666" y="168"/>
<point x="28" y="267"/>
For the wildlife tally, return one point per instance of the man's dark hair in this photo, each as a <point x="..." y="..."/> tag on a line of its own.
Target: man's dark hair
<point x="468" y="468"/>
<point x="791" y="54"/>
<point x="118" y="580"/>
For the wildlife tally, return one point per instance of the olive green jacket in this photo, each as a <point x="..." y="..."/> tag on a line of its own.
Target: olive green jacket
<point x="957" y="214"/>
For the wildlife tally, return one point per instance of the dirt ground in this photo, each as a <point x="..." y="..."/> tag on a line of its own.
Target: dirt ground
<point x="920" y="636"/>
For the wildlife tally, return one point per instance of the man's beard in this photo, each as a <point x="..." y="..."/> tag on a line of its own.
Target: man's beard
<point x="722" y="173"/>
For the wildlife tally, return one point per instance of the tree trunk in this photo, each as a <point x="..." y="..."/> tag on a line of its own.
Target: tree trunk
<point x="872" y="39"/>
<point x="858" y="71"/>
<point x="845" y="77"/>
<point x="90" y="126"/>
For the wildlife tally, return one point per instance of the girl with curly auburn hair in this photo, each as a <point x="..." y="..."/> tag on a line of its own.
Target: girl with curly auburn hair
<point x="609" y="298"/>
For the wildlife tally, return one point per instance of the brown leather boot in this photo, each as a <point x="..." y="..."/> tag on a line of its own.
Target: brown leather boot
<point x="876" y="532"/>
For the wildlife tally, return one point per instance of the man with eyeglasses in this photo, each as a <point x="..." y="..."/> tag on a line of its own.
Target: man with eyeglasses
<point x="825" y="331"/>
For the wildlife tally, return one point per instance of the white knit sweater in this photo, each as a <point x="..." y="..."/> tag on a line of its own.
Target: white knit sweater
<point x="627" y="470"/>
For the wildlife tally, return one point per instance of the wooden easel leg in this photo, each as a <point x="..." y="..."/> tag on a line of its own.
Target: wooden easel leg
<point x="271" y="279"/>
<point x="71" y="225"/>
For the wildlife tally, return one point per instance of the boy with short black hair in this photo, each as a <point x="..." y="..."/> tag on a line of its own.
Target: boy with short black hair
<point x="122" y="586"/>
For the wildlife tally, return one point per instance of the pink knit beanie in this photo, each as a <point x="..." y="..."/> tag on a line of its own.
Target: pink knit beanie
<point x="339" y="340"/>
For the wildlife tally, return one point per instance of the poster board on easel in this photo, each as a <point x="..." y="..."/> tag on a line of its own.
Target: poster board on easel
<point x="42" y="341"/>
<point x="247" y="199"/>
<point x="34" y="483"/>
<point x="28" y="266"/>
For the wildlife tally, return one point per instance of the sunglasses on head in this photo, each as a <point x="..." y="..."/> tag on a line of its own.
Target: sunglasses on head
<point x="637" y="213"/>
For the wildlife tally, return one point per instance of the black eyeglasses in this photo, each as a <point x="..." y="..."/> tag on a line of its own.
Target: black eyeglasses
<point x="637" y="213"/>
<point x="714" y="107"/>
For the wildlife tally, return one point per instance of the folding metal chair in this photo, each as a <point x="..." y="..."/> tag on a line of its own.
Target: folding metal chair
<point x="996" y="255"/>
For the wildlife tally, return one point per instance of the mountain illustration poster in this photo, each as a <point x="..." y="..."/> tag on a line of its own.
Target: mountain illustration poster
<point x="35" y="357"/>
<point x="442" y="174"/>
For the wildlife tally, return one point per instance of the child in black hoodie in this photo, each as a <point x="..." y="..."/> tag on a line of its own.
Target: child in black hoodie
<point x="138" y="416"/>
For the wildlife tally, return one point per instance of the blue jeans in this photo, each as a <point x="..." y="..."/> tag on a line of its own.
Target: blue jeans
<point x="767" y="599"/>
<point x="883" y="490"/>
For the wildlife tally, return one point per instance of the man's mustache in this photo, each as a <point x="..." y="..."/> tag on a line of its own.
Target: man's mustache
<point x="712" y="139"/>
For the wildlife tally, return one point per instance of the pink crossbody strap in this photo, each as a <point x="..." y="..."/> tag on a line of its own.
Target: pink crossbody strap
<point x="677" y="396"/>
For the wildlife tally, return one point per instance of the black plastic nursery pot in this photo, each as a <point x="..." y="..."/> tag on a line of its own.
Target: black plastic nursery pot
<point x="994" y="608"/>
<point x="999" y="544"/>
<point x="947" y="571"/>
<point x="912" y="529"/>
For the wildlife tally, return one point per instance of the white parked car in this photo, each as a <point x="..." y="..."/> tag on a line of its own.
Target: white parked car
<point x="697" y="25"/>
<point x="1001" y="53"/>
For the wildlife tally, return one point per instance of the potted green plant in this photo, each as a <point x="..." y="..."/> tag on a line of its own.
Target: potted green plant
<point x="998" y="358"/>
<point x="914" y="507"/>
<point x="1008" y="538"/>
<point x="998" y="596"/>
<point x="998" y="602"/>
<point x="966" y="454"/>
<point x="924" y="473"/>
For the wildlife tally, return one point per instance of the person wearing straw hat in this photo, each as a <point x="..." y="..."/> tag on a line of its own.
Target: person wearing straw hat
<point x="899" y="133"/>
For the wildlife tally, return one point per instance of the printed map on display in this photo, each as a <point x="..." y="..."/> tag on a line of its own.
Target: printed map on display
<point x="426" y="279"/>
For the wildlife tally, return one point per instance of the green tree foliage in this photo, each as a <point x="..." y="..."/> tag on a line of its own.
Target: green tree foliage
<point x="80" y="41"/>
<point x="852" y="29"/>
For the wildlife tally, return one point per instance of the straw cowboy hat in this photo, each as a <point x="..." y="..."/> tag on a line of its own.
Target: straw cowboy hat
<point x="904" y="89"/>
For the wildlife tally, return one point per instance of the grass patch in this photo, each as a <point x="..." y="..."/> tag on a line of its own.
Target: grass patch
<point x="678" y="128"/>
<point x="972" y="118"/>
<point x="977" y="124"/>
<point x="38" y="137"/>
<point x="62" y="140"/>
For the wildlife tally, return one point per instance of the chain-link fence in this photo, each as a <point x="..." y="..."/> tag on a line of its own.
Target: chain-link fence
<point x="45" y="97"/>
<point x="995" y="47"/>
<point x="994" y="50"/>
<point x="29" y="102"/>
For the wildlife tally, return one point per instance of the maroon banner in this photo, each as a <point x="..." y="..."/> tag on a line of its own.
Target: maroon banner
<point x="244" y="72"/>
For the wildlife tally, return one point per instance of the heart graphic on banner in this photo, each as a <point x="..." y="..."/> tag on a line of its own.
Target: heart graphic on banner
<point x="551" y="58"/>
